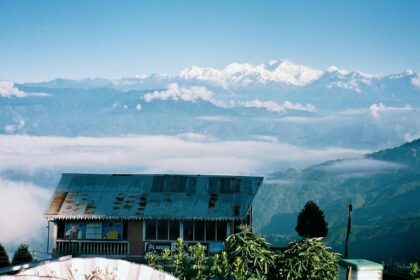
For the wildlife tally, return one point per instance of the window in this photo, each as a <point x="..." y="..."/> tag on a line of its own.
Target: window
<point x="221" y="231"/>
<point x="199" y="230"/>
<point x="188" y="230"/>
<point x="162" y="229"/>
<point x="173" y="230"/>
<point x="150" y="230"/>
<point x="210" y="231"/>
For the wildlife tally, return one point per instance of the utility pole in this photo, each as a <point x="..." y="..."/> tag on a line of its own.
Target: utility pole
<point x="48" y="237"/>
<point x="346" y="248"/>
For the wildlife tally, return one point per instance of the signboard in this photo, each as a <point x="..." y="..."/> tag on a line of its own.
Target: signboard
<point x="93" y="230"/>
<point x="75" y="231"/>
<point x="216" y="247"/>
<point x="112" y="230"/>
<point x="159" y="247"/>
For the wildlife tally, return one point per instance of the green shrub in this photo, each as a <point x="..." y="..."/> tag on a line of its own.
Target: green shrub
<point x="185" y="263"/>
<point x="308" y="259"/>
<point x="414" y="271"/>
<point x="250" y="255"/>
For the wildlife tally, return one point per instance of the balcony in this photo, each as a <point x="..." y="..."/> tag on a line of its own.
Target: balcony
<point x="92" y="248"/>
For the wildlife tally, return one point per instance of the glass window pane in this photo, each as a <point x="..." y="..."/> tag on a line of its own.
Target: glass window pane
<point x="188" y="230"/>
<point x="162" y="230"/>
<point x="221" y="231"/>
<point x="151" y="230"/>
<point x="210" y="231"/>
<point x="199" y="231"/>
<point x="173" y="230"/>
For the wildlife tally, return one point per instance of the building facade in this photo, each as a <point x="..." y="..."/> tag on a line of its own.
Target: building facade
<point x="124" y="215"/>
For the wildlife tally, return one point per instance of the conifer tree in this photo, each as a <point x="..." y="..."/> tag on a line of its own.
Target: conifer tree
<point x="311" y="221"/>
<point x="22" y="255"/>
<point x="4" y="258"/>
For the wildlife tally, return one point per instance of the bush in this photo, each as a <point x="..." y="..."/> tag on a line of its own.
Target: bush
<point x="247" y="256"/>
<point x="414" y="271"/>
<point x="250" y="255"/>
<point x="22" y="255"/>
<point x="308" y="259"/>
<point x="185" y="263"/>
<point x="311" y="221"/>
<point x="4" y="258"/>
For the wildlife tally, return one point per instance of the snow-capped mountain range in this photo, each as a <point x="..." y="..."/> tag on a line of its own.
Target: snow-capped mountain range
<point x="273" y="72"/>
<point x="277" y="99"/>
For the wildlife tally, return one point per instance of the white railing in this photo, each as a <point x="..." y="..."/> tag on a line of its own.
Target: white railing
<point x="92" y="247"/>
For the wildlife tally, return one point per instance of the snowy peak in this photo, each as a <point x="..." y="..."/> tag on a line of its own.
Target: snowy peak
<point x="283" y="71"/>
<point x="236" y="76"/>
<point x="335" y="70"/>
<point x="335" y="77"/>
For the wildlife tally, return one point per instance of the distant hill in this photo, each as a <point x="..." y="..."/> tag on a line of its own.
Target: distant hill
<point x="384" y="188"/>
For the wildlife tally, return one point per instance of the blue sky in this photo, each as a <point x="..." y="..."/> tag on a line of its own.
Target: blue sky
<point x="42" y="40"/>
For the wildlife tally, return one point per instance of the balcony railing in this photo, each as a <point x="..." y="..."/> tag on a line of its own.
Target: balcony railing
<point x="92" y="248"/>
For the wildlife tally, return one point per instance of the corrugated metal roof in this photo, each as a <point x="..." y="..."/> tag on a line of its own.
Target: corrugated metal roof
<point x="147" y="196"/>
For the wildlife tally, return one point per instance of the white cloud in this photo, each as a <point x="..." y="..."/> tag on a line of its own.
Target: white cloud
<point x="175" y="92"/>
<point x="416" y="80"/>
<point x="361" y="167"/>
<point x="276" y="107"/>
<point x="215" y="118"/>
<point x="8" y="89"/>
<point x="138" y="107"/>
<point x="187" y="153"/>
<point x="377" y="109"/>
<point x="266" y="138"/>
<point x="408" y="136"/>
<point x="22" y="205"/>
<point x="16" y="127"/>
<point x="362" y="164"/>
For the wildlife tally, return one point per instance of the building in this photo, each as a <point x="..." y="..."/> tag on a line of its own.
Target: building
<point x="120" y="215"/>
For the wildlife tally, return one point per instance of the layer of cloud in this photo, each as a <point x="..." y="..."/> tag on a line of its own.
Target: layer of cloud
<point x="17" y="126"/>
<point x="8" y="89"/>
<point x="216" y="118"/>
<point x="377" y="109"/>
<point x="22" y="205"/>
<point x="416" y="80"/>
<point x="276" y="107"/>
<point x="361" y="167"/>
<point x="175" y="92"/>
<point x="408" y="136"/>
<point x="362" y="164"/>
<point x="187" y="153"/>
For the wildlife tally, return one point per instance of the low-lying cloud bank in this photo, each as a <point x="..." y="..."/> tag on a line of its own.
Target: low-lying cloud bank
<point x="145" y="153"/>
<point x="8" y="89"/>
<point x="22" y="205"/>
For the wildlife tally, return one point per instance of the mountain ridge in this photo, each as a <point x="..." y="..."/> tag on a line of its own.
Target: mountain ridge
<point x="282" y="72"/>
<point x="384" y="188"/>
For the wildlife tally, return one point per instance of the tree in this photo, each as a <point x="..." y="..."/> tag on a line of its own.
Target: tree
<point x="4" y="258"/>
<point x="414" y="271"/>
<point x="307" y="259"/>
<point x="22" y="255"/>
<point x="311" y="221"/>
<point x="250" y="254"/>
